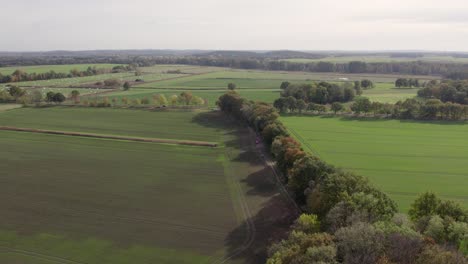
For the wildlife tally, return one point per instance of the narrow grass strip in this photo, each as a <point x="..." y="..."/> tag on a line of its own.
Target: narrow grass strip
<point x="92" y="135"/>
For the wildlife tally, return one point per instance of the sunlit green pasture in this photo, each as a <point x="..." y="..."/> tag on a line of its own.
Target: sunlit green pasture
<point x="403" y="158"/>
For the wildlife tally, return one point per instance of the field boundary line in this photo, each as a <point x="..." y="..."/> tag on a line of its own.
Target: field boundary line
<point x="303" y="141"/>
<point x="101" y="136"/>
<point x="39" y="255"/>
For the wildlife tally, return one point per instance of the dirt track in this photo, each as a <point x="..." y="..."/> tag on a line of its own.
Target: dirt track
<point x="91" y="135"/>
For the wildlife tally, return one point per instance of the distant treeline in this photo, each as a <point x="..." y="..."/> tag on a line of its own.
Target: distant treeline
<point x="347" y="219"/>
<point x="22" y="76"/>
<point x="446" y="69"/>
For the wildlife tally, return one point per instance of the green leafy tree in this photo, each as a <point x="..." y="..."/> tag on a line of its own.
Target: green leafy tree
<point x="75" y="96"/>
<point x="58" y="98"/>
<point x="231" y="86"/>
<point x="126" y="86"/>
<point x="361" y="243"/>
<point x="301" y="105"/>
<point x="337" y="107"/>
<point x="16" y="91"/>
<point x="284" y="85"/>
<point x="361" y="105"/>
<point x="425" y="205"/>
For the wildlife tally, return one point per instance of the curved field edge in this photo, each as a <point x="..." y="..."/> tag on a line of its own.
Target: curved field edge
<point x="403" y="158"/>
<point x="51" y="248"/>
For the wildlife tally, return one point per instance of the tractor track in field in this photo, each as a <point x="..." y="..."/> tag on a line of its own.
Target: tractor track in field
<point x="40" y="255"/>
<point x="250" y="226"/>
<point x="100" y="136"/>
<point x="267" y="159"/>
<point x="262" y="154"/>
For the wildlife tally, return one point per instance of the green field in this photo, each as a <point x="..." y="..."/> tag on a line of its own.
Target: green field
<point x="387" y="93"/>
<point x="211" y="96"/>
<point x="67" y="199"/>
<point x="57" y="68"/>
<point x="403" y="158"/>
<point x="124" y="122"/>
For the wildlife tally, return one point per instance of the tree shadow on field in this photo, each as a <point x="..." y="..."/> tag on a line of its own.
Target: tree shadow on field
<point x="248" y="156"/>
<point x="214" y="119"/>
<point x="260" y="184"/>
<point x="250" y="241"/>
<point x="272" y="212"/>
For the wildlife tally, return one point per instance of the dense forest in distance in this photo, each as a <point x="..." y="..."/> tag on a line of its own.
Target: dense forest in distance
<point x="413" y="63"/>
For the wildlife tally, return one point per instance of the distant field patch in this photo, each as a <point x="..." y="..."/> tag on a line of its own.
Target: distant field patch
<point x="56" y="68"/>
<point x="403" y="158"/>
<point x="4" y="107"/>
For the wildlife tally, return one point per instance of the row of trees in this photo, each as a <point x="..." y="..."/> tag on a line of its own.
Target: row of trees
<point x="432" y="109"/>
<point x="348" y="220"/>
<point x="22" y="76"/>
<point x="185" y="98"/>
<point x="446" y="91"/>
<point x="318" y="93"/>
<point x="20" y="95"/>
<point x="407" y="83"/>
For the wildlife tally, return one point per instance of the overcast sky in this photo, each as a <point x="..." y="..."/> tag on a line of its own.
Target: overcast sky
<point x="234" y="24"/>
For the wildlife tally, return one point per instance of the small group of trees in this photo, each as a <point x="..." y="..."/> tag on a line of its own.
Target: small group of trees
<point x="446" y="91"/>
<point x="292" y="105"/>
<point x="231" y="86"/>
<point x="432" y="109"/>
<point x="407" y="83"/>
<point x="20" y="95"/>
<point x="347" y="219"/>
<point x="52" y="97"/>
<point x="319" y="93"/>
<point x="185" y="98"/>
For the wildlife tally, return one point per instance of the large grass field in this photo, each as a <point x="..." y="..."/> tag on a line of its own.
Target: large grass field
<point x="141" y="123"/>
<point x="403" y="158"/>
<point x="67" y="199"/>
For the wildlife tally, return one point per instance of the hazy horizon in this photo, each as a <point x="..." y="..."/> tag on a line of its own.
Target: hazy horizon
<point x="360" y="25"/>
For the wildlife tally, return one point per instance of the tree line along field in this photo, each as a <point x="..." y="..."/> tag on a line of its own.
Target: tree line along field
<point x="404" y="158"/>
<point x="384" y="58"/>
<point x="85" y="200"/>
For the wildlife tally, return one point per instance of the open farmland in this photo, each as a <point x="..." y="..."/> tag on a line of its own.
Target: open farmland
<point x="210" y="82"/>
<point x="403" y="158"/>
<point x="56" y="68"/>
<point x="68" y="199"/>
<point x="123" y="122"/>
